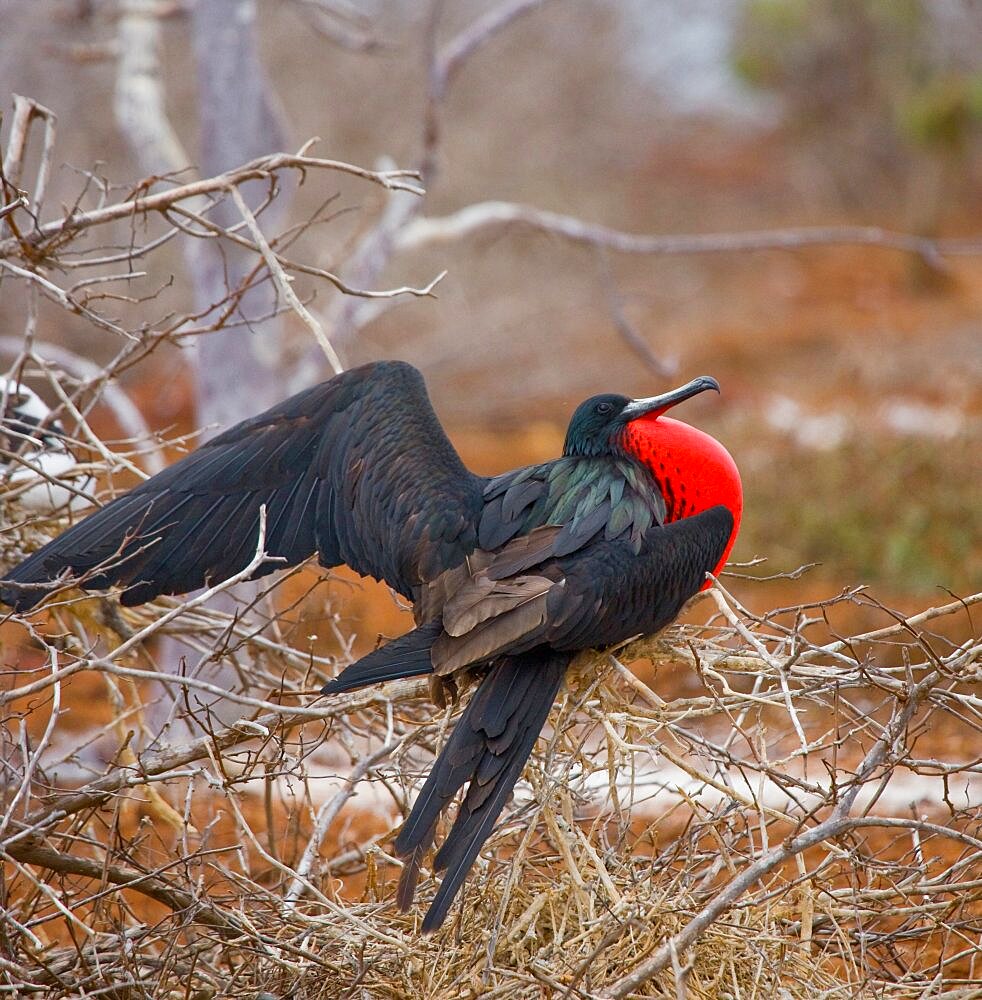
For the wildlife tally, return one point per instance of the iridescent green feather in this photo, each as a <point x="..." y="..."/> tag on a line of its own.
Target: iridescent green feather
<point x="572" y="490"/>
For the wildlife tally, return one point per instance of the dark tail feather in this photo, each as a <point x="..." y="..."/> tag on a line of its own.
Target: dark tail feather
<point x="407" y="656"/>
<point x="488" y="748"/>
<point x="410" y="871"/>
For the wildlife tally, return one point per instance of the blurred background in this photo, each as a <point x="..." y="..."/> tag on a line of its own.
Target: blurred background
<point x="623" y="194"/>
<point x="850" y="373"/>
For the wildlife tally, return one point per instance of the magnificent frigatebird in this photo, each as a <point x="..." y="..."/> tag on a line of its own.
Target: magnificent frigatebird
<point x="509" y="575"/>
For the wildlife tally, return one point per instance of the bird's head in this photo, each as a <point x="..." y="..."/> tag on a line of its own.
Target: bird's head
<point x="598" y="425"/>
<point x="692" y="470"/>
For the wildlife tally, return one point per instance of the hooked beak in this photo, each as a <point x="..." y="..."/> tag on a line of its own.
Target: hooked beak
<point x="657" y="405"/>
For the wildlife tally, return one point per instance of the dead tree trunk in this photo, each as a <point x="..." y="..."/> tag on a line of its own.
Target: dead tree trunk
<point x="235" y="369"/>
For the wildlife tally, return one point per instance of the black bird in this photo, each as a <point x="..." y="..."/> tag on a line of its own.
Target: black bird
<point x="511" y="575"/>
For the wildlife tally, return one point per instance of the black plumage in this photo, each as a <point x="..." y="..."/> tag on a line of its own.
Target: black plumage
<point x="510" y="575"/>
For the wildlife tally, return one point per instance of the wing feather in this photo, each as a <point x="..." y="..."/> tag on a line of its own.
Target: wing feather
<point x="602" y="593"/>
<point x="357" y="468"/>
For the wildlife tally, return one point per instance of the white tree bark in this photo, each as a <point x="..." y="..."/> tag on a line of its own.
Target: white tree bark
<point x="235" y="370"/>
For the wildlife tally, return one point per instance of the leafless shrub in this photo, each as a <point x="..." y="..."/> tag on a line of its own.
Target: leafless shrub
<point x="733" y="840"/>
<point x="772" y="833"/>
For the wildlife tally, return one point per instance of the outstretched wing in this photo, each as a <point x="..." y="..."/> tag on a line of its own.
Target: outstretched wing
<point x="601" y="594"/>
<point x="357" y="469"/>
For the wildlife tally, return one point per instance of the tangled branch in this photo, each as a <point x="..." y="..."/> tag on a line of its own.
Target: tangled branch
<point x="747" y="829"/>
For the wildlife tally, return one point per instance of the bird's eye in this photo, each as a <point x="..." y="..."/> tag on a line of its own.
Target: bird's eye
<point x="604" y="408"/>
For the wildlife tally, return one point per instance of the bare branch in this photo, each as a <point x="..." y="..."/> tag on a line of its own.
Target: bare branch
<point x="625" y="328"/>
<point x="837" y="824"/>
<point x="96" y="378"/>
<point x="283" y="283"/>
<point x="489" y="216"/>
<point x="476" y="35"/>
<point x="327" y="814"/>
<point x="345" y="26"/>
<point x="263" y="168"/>
<point x="30" y="851"/>
<point x="26" y="110"/>
<point x="52" y="291"/>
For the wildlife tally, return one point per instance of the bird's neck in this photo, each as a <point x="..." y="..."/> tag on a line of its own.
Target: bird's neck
<point x="692" y="469"/>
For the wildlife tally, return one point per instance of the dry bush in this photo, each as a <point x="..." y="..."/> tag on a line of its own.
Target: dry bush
<point x="772" y="831"/>
<point x="753" y="838"/>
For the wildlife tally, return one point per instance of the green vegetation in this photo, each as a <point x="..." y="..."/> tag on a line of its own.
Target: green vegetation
<point x="869" y="65"/>
<point x="903" y="513"/>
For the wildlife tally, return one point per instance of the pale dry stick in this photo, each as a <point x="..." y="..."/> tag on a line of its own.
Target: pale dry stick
<point x="158" y="807"/>
<point x="654" y="648"/>
<point x="761" y="754"/>
<point x="679" y="974"/>
<point x="697" y="774"/>
<point x="46" y="890"/>
<point x="725" y="754"/>
<point x="107" y="279"/>
<point x="837" y="822"/>
<point x="337" y="911"/>
<point x="59" y="295"/>
<point x="936" y="886"/>
<point x="155" y="765"/>
<point x="345" y="315"/>
<point x="559" y="834"/>
<point x="907" y="625"/>
<point x="683" y="764"/>
<point x="720" y="595"/>
<point x="476" y="35"/>
<point x="295" y="712"/>
<point x="728" y="790"/>
<point x="14" y="459"/>
<point x="259" y="169"/>
<point x="489" y="215"/>
<point x="325" y="817"/>
<point x="140" y="637"/>
<point x="747" y="698"/>
<point x="11" y="206"/>
<point x="26" y="109"/>
<point x="37" y="943"/>
<point x="667" y="368"/>
<point x="616" y="899"/>
<point x="111" y="459"/>
<point x="149" y="884"/>
<point x="328" y="21"/>
<point x="108" y="665"/>
<point x="47" y="153"/>
<point x="35" y="758"/>
<point x="209" y="620"/>
<point x="445" y="63"/>
<point x="922" y="826"/>
<point x="230" y="233"/>
<point x="283" y="283"/>
<point x="123" y="257"/>
<point x="750" y="662"/>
